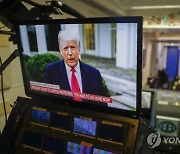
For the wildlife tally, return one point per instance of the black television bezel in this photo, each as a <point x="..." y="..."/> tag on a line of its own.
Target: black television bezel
<point x="63" y="99"/>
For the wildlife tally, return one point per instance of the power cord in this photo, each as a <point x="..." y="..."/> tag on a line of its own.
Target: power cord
<point x="3" y="27"/>
<point x="2" y="92"/>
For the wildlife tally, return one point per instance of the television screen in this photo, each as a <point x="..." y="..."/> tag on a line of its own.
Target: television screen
<point x="111" y="132"/>
<point x="54" y="145"/>
<point x="94" y="61"/>
<point x="32" y="139"/>
<point x="147" y="103"/>
<point x="83" y="126"/>
<point x="61" y="121"/>
<point x="40" y="117"/>
<point x="168" y="126"/>
<point x="99" y="151"/>
<point x="74" y="148"/>
<point x="146" y="99"/>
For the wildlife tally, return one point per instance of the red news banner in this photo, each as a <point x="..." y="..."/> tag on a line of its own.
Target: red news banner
<point x="55" y="89"/>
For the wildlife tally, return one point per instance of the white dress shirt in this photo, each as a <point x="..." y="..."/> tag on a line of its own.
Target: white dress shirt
<point x="77" y="74"/>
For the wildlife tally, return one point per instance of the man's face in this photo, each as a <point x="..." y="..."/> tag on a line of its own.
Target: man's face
<point x="70" y="52"/>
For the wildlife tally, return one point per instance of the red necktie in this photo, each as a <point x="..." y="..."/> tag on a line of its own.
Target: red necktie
<point x="75" y="85"/>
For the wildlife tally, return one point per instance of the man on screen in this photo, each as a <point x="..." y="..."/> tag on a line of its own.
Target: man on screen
<point x="70" y="73"/>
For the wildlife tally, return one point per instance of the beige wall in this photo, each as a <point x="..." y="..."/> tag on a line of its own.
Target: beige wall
<point x="4" y="53"/>
<point x="13" y="83"/>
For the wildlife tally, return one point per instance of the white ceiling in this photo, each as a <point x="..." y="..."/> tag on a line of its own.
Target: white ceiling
<point x="96" y="8"/>
<point x="106" y="8"/>
<point x="127" y="7"/>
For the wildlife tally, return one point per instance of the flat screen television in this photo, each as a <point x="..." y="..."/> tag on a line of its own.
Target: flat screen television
<point x="147" y="99"/>
<point x="147" y="102"/>
<point x="105" y="54"/>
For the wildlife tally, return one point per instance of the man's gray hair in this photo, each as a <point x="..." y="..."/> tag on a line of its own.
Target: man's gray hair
<point x="68" y="36"/>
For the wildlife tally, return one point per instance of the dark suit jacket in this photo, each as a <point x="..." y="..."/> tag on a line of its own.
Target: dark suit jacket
<point x="91" y="78"/>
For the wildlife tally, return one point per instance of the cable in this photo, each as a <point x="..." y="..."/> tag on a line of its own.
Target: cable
<point x="2" y="92"/>
<point x="4" y="24"/>
<point x="60" y="8"/>
<point x="7" y="32"/>
<point x="9" y="60"/>
<point x="3" y="27"/>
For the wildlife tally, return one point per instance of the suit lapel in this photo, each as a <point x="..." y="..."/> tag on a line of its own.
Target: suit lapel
<point x="84" y="78"/>
<point x="64" y="83"/>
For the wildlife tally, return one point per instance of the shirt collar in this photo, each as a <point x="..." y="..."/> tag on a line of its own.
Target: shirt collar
<point x="77" y="68"/>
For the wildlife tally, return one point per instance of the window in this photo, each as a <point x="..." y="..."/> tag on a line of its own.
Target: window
<point x="51" y="32"/>
<point x="90" y="36"/>
<point x="31" y="30"/>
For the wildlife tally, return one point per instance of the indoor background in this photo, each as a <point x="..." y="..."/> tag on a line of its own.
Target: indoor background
<point x="161" y="42"/>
